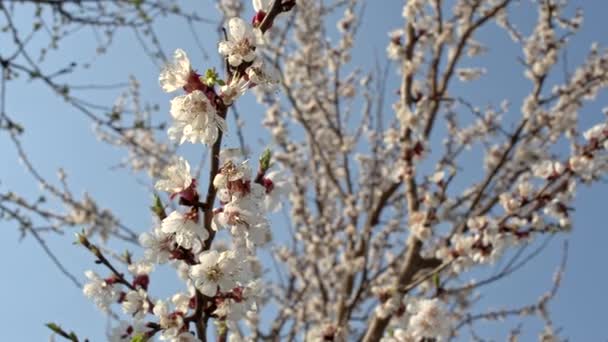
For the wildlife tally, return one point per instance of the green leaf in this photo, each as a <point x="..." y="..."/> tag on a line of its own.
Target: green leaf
<point x="73" y="336"/>
<point x="211" y="78"/>
<point x="137" y="3"/>
<point x="265" y="160"/>
<point x="436" y="280"/>
<point x="157" y="208"/>
<point x="139" y="338"/>
<point x="55" y="328"/>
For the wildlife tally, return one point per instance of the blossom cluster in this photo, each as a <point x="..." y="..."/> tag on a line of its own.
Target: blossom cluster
<point x="422" y="319"/>
<point x="382" y="222"/>
<point x="385" y="227"/>
<point x="222" y="281"/>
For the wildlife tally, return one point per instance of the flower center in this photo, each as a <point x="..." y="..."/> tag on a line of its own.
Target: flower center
<point x="201" y="106"/>
<point x="230" y="170"/>
<point x="242" y="47"/>
<point x="214" y="273"/>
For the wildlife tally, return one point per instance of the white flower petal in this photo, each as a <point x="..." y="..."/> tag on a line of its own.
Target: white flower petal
<point x="208" y="288"/>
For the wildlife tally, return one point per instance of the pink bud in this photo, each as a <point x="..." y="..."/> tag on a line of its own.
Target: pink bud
<point x="258" y="18"/>
<point x="141" y="280"/>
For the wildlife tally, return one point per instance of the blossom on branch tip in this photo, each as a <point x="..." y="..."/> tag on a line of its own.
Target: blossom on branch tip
<point x="240" y="46"/>
<point x="103" y="292"/>
<point x="596" y="132"/>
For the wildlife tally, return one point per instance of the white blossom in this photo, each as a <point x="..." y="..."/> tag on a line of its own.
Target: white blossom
<point x="240" y="46"/>
<point x="547" y="169"/>
<point x="399" y="335"/>
<point x="195" y="119"/>
<point x="157" y="245"/>
<point x="214" y="270"/>
<point x="175" y="76"/>
<point x="189" y="233"/>
<point x="100" y="291"/>
<point x="231" y="172"/>
<point x="261" y="5"/>
<point x="277" y="188"/>
<point x="429" y="320"/>
<point x="185" y="336"/>
<point x="234" y="89"/>
<point x="177" y="177"/>
<point x="263" y="74"/>
<point x="509" y="203"/>
<point x="125" y="331"/>
<point x="395" y="49"/>
<point x="170" y="322"/>
<point x="141" y="268"/>
<point x="582" y="165"/>
<point x="136" y="303"/>
<point x="596" y="132"/>
<point x="419" y="226"/>
<point x="181" y="301"/>
<point x="242" y="213"/>
<point x="243" y="301"/>
<point x="230" y="8"/>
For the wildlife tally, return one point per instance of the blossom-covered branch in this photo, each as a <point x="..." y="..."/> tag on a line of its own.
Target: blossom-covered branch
<point x="396" y="186"/>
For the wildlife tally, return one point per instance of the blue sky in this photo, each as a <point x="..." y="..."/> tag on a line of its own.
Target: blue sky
<point x="34" y="292"/>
